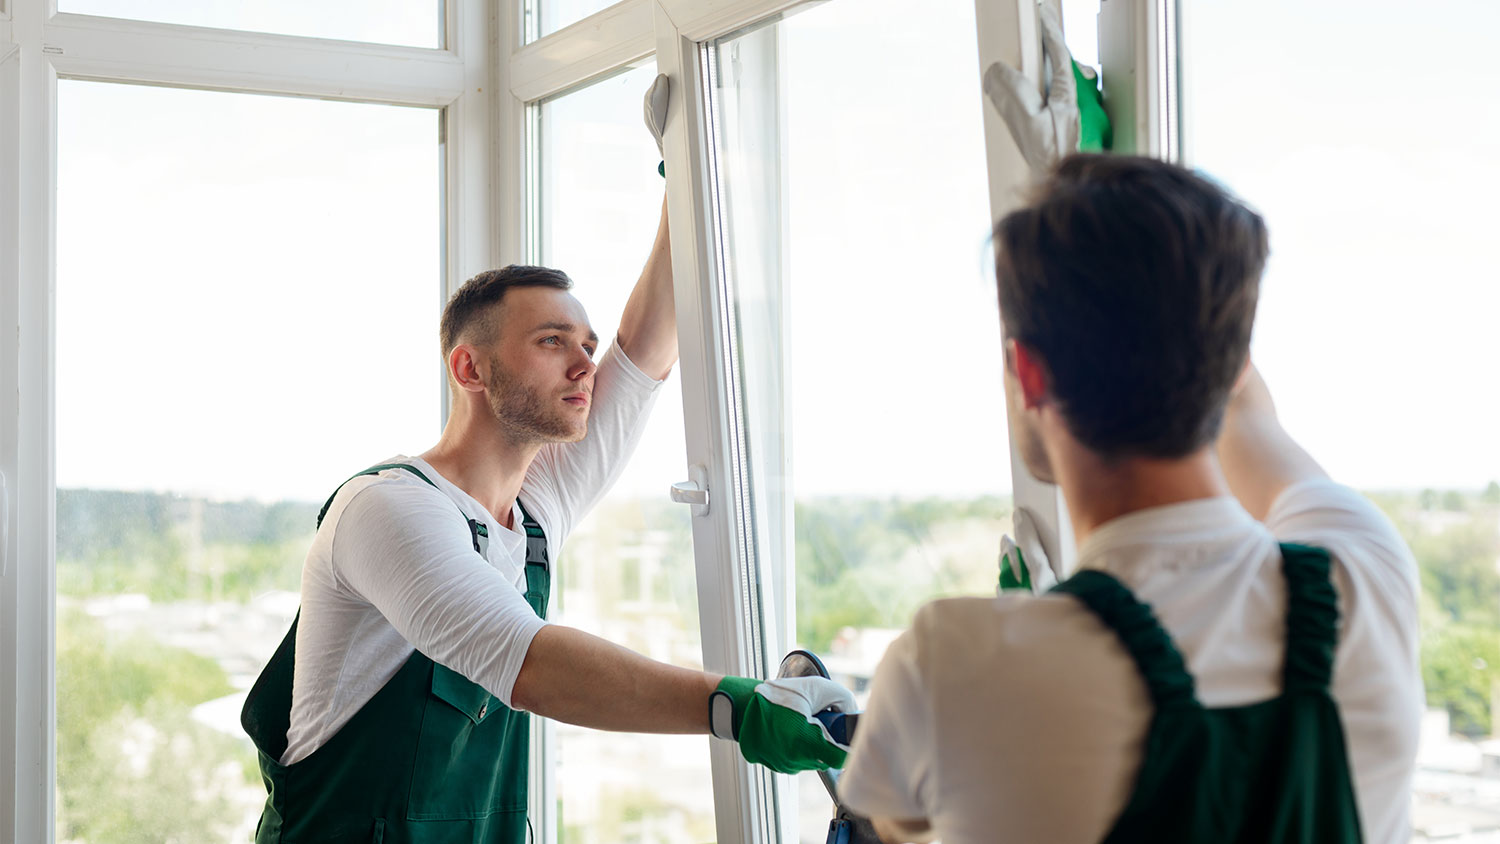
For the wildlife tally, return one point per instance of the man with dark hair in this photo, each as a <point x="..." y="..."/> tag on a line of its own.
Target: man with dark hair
<point x="396" y="708"/>
<point x="1235" y="658"/>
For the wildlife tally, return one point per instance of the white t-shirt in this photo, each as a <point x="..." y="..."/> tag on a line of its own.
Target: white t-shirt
<point x="393" y="567"/>
<point x="1021" y="718"/>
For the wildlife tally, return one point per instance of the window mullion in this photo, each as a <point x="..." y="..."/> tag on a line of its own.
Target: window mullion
<point x="28" y="91"/>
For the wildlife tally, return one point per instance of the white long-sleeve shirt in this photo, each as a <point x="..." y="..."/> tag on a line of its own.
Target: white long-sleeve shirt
<point x="1022" y="718"/>
<point x="393" y="567"/>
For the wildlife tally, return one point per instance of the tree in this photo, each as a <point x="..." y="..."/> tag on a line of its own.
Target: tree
<point x="1491" y="494"/>
<point x="1460" y="667"/>
<point x="133" y="767"/>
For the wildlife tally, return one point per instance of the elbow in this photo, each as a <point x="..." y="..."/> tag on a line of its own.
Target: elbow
<point x="527" y="693"/>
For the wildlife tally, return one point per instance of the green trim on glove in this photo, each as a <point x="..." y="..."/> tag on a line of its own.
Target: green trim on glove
<point x="1095" y="133"/>
<point x="1009" y="580"/>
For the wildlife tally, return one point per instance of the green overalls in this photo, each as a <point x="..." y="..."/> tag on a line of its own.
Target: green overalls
<point x="432" y="758"/>
<point x="1274" y="771"/>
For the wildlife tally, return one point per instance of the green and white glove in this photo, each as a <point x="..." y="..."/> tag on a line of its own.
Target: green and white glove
<point x="655" y="106"/>
<point x="774" y="723"/>
<point x="1023" y="560"/>
<point x="1072" y="117"/>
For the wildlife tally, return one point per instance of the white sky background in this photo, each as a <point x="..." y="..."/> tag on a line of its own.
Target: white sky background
<point x="413" y="23"/>
<point x="601" y="201"/>
<point x="1365" y="132"/>
<point x="248" y="287"/>
<point x="896" y="368"/>
<point x="556" y="14"/>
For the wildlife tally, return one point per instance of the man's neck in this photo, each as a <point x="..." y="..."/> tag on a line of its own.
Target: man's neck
<point x="1097" y="491"/>
<point x="480" y="461"/>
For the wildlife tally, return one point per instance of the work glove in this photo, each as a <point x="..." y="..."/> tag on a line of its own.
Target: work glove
<point x="1023" y="561"/>
<point x="774" y="723"/>
<point x="1072" y="117"/>
<point x="656" y="115"/>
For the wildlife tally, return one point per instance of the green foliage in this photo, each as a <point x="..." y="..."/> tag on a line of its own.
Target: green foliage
<point x="1458" y="568"/>
<point x="1491" y="494"/>
<point x="132" y="765"/>
<point x="1455" y="539"/>
<point x="1461" y="667"/>
<point x="634" y="816"/>
<point x="864" y="562"/>
<point x="172" y="548"/>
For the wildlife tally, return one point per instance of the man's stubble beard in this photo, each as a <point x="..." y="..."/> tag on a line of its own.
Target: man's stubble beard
<point x="525" y="415"/>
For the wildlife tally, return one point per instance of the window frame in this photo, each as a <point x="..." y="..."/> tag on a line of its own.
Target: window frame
<point x="38" y="47"/>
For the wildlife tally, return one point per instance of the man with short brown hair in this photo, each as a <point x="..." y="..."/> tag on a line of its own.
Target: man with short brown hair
<point x="1235" y="658"/>
<point x="396" y="709"/>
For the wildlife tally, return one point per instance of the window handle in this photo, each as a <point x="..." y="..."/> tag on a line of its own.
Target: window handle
<point x="693" y="491"/>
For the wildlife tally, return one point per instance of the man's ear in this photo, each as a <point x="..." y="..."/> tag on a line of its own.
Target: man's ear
<point x="1026" y="366"/>
<point x="463" y="368"/>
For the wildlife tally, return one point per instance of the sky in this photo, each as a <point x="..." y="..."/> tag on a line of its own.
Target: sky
<point x="412" y="23"/>
<point x="248" y="287"/>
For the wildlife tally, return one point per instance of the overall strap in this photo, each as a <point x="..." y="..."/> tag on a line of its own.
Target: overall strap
<point x="1160" y="664"/>
<point x="373" y="470"/>
<point x="476" y="528"/>
<point x="536" y="540"/>
<point x="1312" y="619"/>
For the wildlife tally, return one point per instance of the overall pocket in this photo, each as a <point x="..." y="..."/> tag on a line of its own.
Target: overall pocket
<point x="471" y="759"/>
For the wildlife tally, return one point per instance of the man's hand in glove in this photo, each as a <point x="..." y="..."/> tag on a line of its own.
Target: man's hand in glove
<point x="774" y="723"/>
<point x="1072" y="117"/>
<point x="655" y="106"/>
<point x="1023" y="562"/>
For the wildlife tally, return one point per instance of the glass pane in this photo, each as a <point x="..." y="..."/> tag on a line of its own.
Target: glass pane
<point x="225" y="266"/>
<point x="867" y="336"/>
<point x="556" y="14"/>
<point x="627" y="573"/>
<point x="411" y="23"/>
<point x="1081" y="26"/>
<point x="1376" y="322"/>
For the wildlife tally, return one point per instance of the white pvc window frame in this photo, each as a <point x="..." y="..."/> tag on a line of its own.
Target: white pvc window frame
<point x="38" y="47"/>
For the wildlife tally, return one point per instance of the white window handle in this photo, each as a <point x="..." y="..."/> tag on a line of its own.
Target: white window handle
<point x="693" y="491"/>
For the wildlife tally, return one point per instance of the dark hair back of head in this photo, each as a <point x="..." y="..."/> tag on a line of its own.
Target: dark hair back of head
<point x="1136" y="281"/>
<point x="471" y="313"/>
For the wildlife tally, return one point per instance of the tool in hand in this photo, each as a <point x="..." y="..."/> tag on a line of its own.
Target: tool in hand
<point x="846" y="827"/>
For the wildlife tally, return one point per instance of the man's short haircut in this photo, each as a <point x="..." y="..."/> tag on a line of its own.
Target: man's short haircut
<point x="471" y="313"/>
<point x="1136" y="281"/>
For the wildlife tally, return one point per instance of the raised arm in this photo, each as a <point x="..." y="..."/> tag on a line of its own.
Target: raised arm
<point x="648" y="328"/>
<point x="1260" y="459"/>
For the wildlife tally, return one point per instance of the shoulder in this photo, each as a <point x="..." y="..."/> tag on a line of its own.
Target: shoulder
<point x="1351" y="528"/>
<point x="393" y="501"/>
<point x="1029" y="635"/>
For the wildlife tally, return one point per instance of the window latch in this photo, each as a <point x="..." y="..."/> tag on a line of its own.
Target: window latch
<point x="694" y="490"/>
